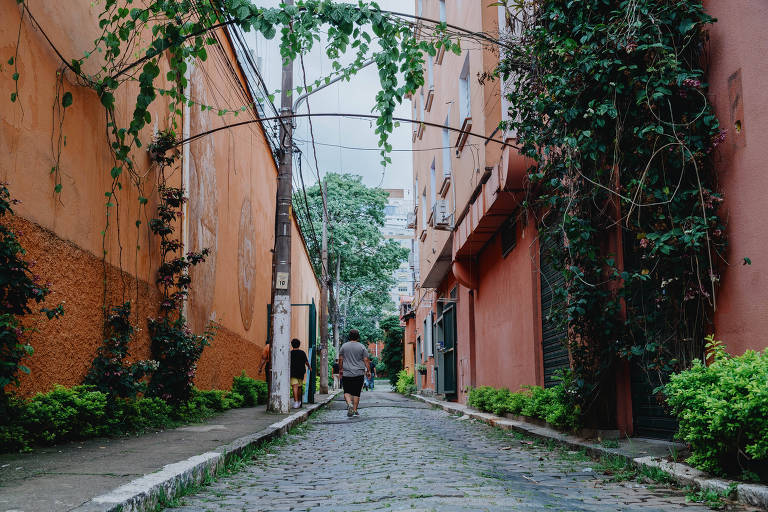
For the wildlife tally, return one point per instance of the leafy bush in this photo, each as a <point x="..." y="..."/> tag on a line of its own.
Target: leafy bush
<point x="253" y="391"/>
<point x="405" y="384"/>
<point x="722" y="410"/>
<point x="81" y="412"/>
<point x="552" y="405"/>
<point x="109" y="373"/>
<point x="65" y="414"/>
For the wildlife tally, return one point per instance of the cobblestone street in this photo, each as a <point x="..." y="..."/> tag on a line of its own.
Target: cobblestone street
<point x="401" y="455"/>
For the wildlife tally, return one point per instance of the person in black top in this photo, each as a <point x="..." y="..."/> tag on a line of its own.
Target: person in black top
<point x="336" y="374"/>
<point x="299" y="362"/>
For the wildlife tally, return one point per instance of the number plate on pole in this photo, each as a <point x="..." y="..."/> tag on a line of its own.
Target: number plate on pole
<point x="281" y="282"/>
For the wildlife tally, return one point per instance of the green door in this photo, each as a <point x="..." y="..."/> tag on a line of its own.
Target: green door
<point x="445" y="330"/>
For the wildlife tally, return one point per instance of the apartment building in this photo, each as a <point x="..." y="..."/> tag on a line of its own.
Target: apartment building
<point x="399" y="206"/>
<point x="480" y="314"/>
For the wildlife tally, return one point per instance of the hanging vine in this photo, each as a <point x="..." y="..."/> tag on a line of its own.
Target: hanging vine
<point x="613" y="108"/>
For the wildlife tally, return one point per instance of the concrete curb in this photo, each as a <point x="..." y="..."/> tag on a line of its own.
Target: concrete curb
<point x="145" y="493"/>
<point x="749" y="494"/>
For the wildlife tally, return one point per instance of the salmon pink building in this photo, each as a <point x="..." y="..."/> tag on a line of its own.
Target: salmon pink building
<point x="484" y="296"/>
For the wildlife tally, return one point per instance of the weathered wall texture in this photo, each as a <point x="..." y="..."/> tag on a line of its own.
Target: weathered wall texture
<point x="737" y="71"/>
<point x="231" y="208"/>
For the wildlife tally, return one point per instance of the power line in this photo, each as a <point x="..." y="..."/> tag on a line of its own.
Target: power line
<point x="348" y="115"/>
<point x="357" y="148"/>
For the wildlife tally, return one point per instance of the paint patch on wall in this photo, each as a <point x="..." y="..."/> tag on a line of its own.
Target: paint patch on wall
<point x="246" y="264"/>
<point x="203" y="212"/>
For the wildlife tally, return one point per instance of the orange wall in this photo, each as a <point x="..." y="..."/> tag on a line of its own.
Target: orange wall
<point x="231" y="208"/>
<point x="738" y="43"/>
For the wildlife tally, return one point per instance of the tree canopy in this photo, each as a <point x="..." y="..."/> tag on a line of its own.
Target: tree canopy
<point x="368" y="260"/>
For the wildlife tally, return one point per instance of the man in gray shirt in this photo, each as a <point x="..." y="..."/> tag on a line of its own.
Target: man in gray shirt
<point x="354" y="366"/>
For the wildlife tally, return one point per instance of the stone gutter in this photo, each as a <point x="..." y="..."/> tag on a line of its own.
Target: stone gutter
<point x="145" y="493"/>
<point x="749" y="494"/>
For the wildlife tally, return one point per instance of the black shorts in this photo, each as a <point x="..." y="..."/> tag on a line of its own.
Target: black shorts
<point x="352" y="385"/>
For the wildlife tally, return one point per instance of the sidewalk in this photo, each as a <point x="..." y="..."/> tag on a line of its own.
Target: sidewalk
<point x="129" y="473"/>
<point x="638" y="451"/>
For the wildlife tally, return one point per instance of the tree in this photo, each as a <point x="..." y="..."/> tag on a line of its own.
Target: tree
<point x="392" y="355"/>
<point x="368" y="260"/>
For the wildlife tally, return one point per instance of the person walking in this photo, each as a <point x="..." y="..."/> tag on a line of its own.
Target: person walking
<point x="266" y="365"/>
<point x="336" y="374"/>
<point x="371" y="379"/>
<point x="299" y="364"/>
<point x="353" y="369"/>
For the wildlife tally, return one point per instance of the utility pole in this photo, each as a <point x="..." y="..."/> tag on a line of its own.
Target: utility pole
<point x="336" y="343"/>
<point x="324" y="298"/>
<point x="281" y="258"/>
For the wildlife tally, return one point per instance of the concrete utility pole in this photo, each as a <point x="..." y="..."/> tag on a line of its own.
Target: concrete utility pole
<point x="279" y="398"/>
<point x="324" y="299"/>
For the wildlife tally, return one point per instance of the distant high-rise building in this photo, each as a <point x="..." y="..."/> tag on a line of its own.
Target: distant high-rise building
<point x="399" y="204"/>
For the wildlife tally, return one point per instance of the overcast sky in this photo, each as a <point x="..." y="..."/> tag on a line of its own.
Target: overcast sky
<point x="356" y="96"/>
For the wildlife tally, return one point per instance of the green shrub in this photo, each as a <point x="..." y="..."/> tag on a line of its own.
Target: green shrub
<point x="82" y="412"/>
<point x="722" y="410"/>
<point x="65" y="414"/>
<point x="254" y="392"/>
<point x="480" y="397"/>
<point x="405" y="383"/>
<point x="129" y="415"/>
<point x="549" y="404"/>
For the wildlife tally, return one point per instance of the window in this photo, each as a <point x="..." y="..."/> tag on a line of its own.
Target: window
<point x="432" y="185"/>
<point x="421" y="7"/>
<point x="429" y="341"/>
<point x="508" y="234"/>
<point x="464" y="91"/>
<point x="446" y="149"/>
<point x="443" y="16"/>
<point x="430" y="71"/>
<point x="424" y="209"/>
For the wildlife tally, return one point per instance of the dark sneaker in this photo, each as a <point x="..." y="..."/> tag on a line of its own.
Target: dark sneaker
<point x="357" y="413"/>
<point x="350" y="411"/>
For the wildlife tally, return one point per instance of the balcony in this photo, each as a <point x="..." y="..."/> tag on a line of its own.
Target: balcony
<point x="495" y="199"/>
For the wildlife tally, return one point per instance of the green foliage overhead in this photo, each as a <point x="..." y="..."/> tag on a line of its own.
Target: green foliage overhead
<point x="613" y="108"/>
<point x="722" y="410"/>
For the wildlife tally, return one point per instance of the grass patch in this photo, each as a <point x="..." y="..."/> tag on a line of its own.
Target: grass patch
<point x="715" y="500"/>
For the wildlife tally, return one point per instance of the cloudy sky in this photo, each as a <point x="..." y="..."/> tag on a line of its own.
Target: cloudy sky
<point x="356" y="96"/>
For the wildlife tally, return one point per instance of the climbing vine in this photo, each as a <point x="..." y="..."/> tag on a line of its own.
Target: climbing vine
<point x="612" y="106"/>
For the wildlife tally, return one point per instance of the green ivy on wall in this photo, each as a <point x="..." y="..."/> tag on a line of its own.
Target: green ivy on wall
<point x="612" y="106"/>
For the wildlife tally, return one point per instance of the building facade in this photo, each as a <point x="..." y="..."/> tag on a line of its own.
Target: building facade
<point x="483" y="297"/>
<point x="230" y="178"/>
<point x="399" y="206"/>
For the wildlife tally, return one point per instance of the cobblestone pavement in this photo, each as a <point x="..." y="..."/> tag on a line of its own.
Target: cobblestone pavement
<point x="401" y="455"/>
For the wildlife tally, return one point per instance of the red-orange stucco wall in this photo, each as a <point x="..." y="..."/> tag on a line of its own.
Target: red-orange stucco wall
<point x="231" y="185"/>
<point x="507" y="339"/>
<point x="737" y="54"/>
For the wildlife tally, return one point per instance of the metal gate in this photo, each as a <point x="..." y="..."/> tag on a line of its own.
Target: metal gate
<point x="554" y="335"/>
<point x="648" y="416"/>
<point x="445" y="329"/>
